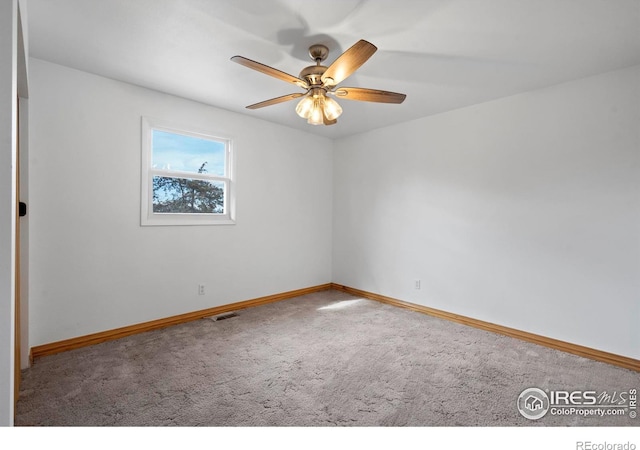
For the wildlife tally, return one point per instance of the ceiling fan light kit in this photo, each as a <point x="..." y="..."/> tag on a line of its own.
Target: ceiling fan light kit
<point x="320" y="82"/>
<point x="317" y="108"/>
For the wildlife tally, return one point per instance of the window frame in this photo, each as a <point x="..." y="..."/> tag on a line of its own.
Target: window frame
<point x="150" y="218"/>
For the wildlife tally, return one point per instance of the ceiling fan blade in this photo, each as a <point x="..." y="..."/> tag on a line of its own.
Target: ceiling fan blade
<point x="275" y="101"/>
<point x="348" y="62"/>
<point x="369" y="95"/>
<point x="270" y="71"/>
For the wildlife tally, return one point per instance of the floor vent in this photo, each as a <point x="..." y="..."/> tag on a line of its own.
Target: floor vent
<point x="223" y="316"/>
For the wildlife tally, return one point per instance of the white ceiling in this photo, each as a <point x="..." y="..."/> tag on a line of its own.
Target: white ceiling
<point x="444" y="54"/>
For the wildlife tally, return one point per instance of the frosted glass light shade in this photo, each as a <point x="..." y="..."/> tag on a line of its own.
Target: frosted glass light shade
<point x="305" y="107"/>
<point x="331" y="108"/>
<point x="315" y="118"/>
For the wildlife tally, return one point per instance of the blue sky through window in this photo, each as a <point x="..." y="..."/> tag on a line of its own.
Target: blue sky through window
<point x="172" y="151"/>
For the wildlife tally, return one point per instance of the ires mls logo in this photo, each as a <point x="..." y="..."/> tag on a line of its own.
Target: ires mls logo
<point x="534" y="403"/>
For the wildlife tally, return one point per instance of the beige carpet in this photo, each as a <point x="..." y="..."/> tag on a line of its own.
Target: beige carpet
<point x="324" y="359"/>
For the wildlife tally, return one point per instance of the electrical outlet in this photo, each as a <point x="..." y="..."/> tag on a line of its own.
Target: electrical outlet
<point x="416" y="284"/>
<point x="201" y="289"/>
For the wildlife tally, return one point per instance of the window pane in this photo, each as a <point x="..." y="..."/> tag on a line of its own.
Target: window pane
<point x="172" y="151"/>
<point x="187" y="196"/>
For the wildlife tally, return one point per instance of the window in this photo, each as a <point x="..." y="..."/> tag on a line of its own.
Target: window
<point x="186" y="177"/>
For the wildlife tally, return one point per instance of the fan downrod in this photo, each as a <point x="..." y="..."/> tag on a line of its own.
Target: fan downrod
<point x="313" y="74"/>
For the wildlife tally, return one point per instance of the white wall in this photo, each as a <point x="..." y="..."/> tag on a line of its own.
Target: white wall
<point x="94" y="268"/>
<point x="523" y="212"/>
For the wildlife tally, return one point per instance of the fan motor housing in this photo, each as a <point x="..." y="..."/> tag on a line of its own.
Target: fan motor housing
<point x="313" y="74"/>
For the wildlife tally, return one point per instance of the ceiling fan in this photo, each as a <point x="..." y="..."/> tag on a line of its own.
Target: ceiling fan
<point x="321" y="83"/>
